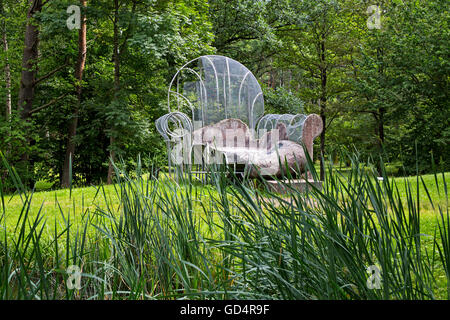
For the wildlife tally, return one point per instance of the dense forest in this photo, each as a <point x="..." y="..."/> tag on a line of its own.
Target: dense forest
<point x="76" y="93"/>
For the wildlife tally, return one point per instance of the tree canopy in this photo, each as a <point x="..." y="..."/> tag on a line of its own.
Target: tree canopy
<point x="76" y="98"/>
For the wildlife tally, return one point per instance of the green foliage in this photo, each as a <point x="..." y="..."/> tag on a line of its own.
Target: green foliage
<point x="385" y="90"/>
<point x="156" y="37"/>
<point x="245" y="30"/>
<point x="13" y="144"/>
<point x="43" y="185"/>
<point x="403" y="71"/>
<point x="281" y="100"/>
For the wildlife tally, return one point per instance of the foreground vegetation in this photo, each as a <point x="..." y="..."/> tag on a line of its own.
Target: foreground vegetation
<point x="159" y="239"/>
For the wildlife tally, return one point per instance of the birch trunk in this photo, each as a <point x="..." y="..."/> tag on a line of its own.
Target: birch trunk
<point x="72" y="129"/>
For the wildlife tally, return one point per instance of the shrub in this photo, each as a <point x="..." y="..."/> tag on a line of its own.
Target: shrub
<point x="43" y="185"/>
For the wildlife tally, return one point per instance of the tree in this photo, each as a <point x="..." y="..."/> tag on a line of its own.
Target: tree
<point x="246" y="30"/>
<point x="79" y="69"/>
<point x="401" y="79"/>
<point x="316" y="46"/>
<point x="149" y="39"/>
<point x="29" y="79"/>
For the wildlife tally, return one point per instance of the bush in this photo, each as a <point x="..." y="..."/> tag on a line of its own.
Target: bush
<point x="43" y="185"/>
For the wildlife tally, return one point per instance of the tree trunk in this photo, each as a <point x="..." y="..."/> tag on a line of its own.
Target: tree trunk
<point x="112" y="155"/>
<point x="116" y="58"/>
<point x="7" y="68"/>
<point x="379" y="130"/>
<point x="7" y="80"/>
<point x="28" y="76"/>
<point x="381" y="127"/>
<point x="29" y="67"/>
<point x="323" y="102"/>
<point x="381" y="112"/>
<point x="323" y="106"/>
<point x="72" y="129"/>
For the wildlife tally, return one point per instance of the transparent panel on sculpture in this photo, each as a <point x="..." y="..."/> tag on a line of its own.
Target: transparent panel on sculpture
<point x="295" y="128"/>
<point x="293" y="123"/>
<point x="213" y="88"/>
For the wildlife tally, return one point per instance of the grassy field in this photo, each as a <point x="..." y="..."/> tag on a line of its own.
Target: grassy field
<point x="159" y="239"/>
<point x="79" y="201"/>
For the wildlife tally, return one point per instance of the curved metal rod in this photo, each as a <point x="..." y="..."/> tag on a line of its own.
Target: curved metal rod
<point x="265" y="119"/>
<point x="208" y="58"/>
<point x="240" y="87"/>
<point x="189" y="103"/>
<point x="174" y="77"/>
<point x="251" y="110"/>
<point x="199" y="78"/>
<point x="298" y="115"/>
<point x="201" y="84"/>
<point x="282" y="118"/>
<point x="225" y="98"/>
<point x="215" y="75"/>
<point x="293" y="129"/>
<point x="229" y="80"/>
<point x="184" y="67"/>
<point x="271" y="118"/>
<point x="263" y="123"/>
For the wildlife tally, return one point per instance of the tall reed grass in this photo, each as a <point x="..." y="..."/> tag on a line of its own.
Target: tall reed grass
<point x="234" y="239"/>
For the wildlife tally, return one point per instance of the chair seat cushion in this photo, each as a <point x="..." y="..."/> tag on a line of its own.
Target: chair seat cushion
<point x="267" y="162"/>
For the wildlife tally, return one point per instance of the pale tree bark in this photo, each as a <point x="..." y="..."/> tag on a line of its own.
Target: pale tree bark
<point x="7" y="67"/>
<point x="79" y="69"/>
<point x="116" y="59"/>
<point x="7" y="80"/>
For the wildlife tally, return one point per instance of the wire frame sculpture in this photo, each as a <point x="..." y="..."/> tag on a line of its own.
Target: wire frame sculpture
<point x="213" y="88"/>
<point x="212" y="93"/>
<point x="210" y="89"/>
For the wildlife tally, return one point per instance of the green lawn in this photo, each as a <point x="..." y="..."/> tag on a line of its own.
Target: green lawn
<point x="200" y="222"/>
<point x="79" y="201"/>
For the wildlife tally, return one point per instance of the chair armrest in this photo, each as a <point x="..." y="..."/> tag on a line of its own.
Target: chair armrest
<point x="312" y="128"/>
<point x="181" y="122"/>
<point x="301" y="128"/>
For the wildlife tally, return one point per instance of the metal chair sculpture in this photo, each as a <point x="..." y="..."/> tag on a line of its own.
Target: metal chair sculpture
<point x="227" y="122"/>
